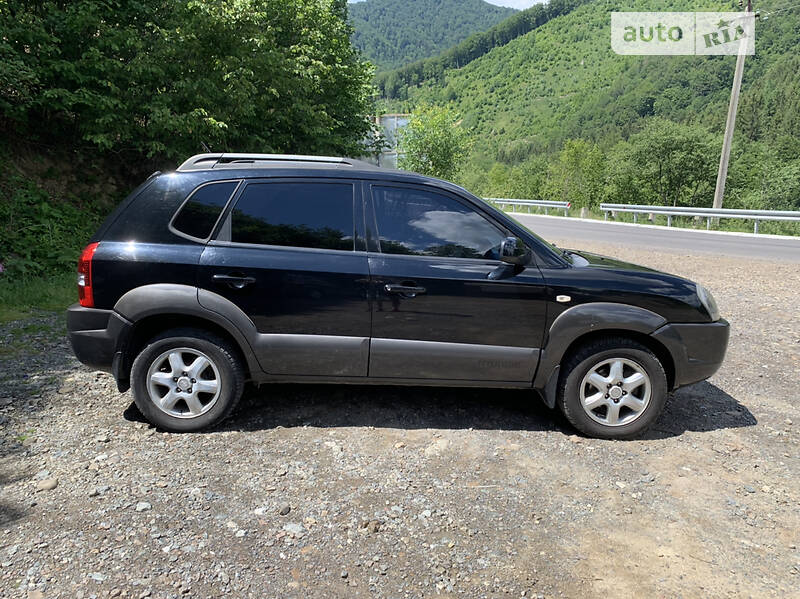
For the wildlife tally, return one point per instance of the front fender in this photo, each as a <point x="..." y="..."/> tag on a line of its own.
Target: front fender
<point x="578" y="321"/>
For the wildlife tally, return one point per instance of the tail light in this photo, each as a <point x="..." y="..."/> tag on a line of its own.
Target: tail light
<point x="85" y="295"/>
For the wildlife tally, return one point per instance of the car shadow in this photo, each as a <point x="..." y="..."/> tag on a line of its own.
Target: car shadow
<point x="8" y="511"/>
<point x="701" y="407"/>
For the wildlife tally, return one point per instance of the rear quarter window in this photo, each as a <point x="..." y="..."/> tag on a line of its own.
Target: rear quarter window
<point x="146" y="218"/>
<point x="198" y="215"/>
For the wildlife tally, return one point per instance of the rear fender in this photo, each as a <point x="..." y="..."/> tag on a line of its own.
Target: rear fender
<point x="168" y="299"/>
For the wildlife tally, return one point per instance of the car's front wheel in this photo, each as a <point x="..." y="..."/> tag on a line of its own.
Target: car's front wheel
<point x="186" y="379"/>
<point x="612" y="388"/>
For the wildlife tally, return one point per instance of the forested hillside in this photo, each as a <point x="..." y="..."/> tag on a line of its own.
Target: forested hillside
<point x="555" y="113"/>
<point x="394" y="84"/>
<point x="391" y="33"/>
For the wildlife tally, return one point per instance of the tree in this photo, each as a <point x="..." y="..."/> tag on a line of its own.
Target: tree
<point x="763" y="178"/>
<point x="162" y="77"/>
<point x="667" y="164"/>
<point x="433" y="143"/>
<point x="499" y="181"/>
<point x="678" y="161"/>
<point x="527" y="180"/>
<point x="473" y="47"/>
<point x="578" y="174"/>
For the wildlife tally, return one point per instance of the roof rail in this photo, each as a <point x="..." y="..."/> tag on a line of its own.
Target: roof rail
<point x="209" y="161"/>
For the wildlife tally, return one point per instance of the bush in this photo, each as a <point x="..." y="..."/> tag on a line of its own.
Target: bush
<point x="40" y="235"/>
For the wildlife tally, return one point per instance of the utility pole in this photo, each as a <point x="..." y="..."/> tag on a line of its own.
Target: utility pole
<point x="722" y="175"/>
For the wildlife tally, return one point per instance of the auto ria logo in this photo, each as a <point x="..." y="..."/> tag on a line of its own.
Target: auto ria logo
<point x="682" y="33"/>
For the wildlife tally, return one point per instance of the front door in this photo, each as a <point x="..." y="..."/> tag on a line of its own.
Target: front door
<point x="289" y="256"/>
<point x="437" y="313"/>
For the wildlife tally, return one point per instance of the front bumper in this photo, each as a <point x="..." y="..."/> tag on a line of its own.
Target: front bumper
<point x="697" y="349"/>
<point x="95" y="335"/>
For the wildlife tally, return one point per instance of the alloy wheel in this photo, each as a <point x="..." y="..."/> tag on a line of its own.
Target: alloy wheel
<point x="183" y="382"/>
<point x="615" y="392"/>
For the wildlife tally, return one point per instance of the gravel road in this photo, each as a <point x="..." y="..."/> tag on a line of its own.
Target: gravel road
<point x="313" y="491"/>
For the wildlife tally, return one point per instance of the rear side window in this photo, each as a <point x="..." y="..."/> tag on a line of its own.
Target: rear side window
<point x="200" y="212"/>
<point x="307" y="215"/>
<point x="423" y="223"/>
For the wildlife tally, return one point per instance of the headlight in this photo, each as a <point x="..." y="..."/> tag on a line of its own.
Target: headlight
<point x="708" y="302"/>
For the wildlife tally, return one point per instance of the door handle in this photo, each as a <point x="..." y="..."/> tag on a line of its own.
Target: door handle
<point x="234" y="281"/>
<point x="408" y="290"/>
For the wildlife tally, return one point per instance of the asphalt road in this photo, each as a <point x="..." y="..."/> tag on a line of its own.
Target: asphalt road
<point x="573" y="231"/>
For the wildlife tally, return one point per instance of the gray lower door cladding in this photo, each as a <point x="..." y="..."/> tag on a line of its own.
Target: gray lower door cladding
<point x="313" y="355"/>
<point x="455" y="361"/>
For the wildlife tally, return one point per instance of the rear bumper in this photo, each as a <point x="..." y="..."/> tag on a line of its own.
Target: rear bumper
<point x="95" y="335"/>
<point x="697" y="349"/>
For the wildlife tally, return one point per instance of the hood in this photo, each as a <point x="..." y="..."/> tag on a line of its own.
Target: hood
<point x="580" y="258"/>
<point x="592" y="275"/>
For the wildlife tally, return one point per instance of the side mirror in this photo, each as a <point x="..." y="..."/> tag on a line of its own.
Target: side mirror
<point x="514" y="251"/>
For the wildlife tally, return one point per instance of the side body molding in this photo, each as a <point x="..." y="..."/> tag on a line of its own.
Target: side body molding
<point x="167" y="298"/>
<point x="576" y="322"/>
<point x="284" y="354"/>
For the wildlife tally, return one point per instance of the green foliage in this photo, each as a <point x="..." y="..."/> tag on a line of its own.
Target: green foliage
<point x="764" y="179"/>
<point x="772" y="108"/>
<point x="121" y="87"/>
<point x="395" y="84"/>
<point x="160" y="77"/>
<point x="395" y="32"/>
<point x="656" y="121"/>
<point x="666" y="164"/>
<point x="40" y="236"/>
<point x="577" y="175"/>
<point x="433" y="143"/>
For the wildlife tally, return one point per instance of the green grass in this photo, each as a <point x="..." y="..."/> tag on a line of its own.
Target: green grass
<point x="19" y="298"/>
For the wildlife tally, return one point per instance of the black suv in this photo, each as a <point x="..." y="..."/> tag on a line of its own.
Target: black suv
<point x="267" y="268"/>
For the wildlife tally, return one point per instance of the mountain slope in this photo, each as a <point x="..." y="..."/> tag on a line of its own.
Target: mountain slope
<point x="394" y="84"/>
<point x="391" y="33"/>
<point x="562" y="81"/>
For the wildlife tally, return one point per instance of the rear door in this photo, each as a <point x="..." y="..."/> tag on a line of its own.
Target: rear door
<point x="437" y="314"/>
<point x="289" y="255"/>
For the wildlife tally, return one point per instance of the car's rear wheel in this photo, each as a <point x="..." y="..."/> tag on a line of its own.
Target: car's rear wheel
<point x="612" y="388"/>
<point x="187" y="379"/>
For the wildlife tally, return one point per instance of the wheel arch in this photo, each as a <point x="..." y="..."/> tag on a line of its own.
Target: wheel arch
<point x="152" y="309"/>
<point x="659" y="349"/>
<point x="583" y="323"/>
<point x="147" y="328"/>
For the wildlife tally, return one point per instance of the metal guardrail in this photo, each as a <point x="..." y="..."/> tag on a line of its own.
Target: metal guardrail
<point x="707" y="213"/>
<point x="546" y="204"/>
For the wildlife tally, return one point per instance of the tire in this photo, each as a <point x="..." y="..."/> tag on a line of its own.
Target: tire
<point x="178" y="393"/>
<point x="600" y="407"/>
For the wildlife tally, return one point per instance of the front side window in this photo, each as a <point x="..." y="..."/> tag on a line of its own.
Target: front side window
<point x="199" y="214"/>
<point x="423" y="223"/>
<point x="307" y="215"/>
